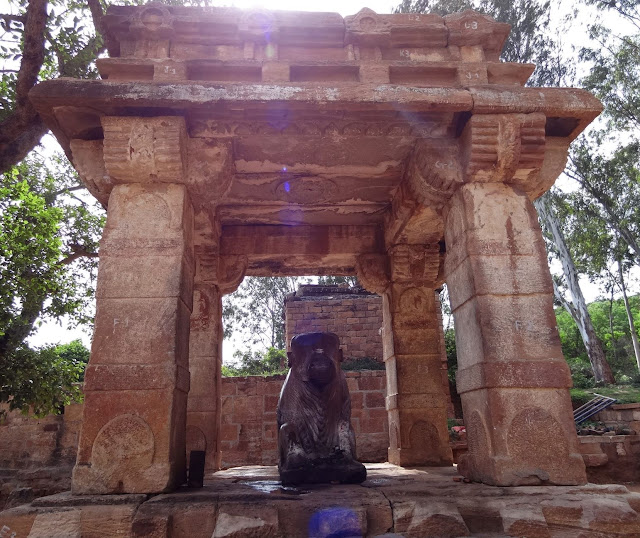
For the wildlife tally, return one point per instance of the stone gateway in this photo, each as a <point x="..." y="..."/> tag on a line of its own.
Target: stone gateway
<point x="398" y="148"/>
<point x="315" y="439"/>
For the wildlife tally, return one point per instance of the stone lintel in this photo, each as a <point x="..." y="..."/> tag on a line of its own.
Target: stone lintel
<point x="285" y="250"/>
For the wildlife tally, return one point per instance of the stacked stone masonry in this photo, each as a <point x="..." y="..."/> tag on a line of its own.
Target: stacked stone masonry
<point x="355" y="317"/>
<point x="397" y="148"/>
<point x="37" y="454"/>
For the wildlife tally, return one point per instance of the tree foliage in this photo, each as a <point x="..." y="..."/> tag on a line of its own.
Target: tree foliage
<point x="256" y="310"/>
<point x="48" y="257"/>
<point x="43" y="381"/>
<point x="611" y="324"/>
<point x="271" y="362"/>
<point x="47" y="237"/>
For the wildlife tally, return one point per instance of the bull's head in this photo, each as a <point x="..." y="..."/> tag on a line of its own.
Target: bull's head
<point x="315" y="357"/>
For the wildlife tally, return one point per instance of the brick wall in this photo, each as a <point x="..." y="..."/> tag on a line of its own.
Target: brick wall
<point x="354" y="315"/>
<point x="249" y="428"/>
<point x="27" y="442"/>
<point x="621" y="415"/>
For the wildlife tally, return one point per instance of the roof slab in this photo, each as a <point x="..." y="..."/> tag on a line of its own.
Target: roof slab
<point x="359" y="127"/>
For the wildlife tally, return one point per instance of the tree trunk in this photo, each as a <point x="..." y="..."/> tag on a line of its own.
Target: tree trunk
<point x="22" y="129"/>
<point x="601" y="369"/>
<point x="613" y="334"/>
<point x="632" y="327"/>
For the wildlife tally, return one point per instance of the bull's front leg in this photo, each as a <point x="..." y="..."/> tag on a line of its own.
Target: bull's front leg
<point x="346" y="439"/>
<point x="292" y="455"/>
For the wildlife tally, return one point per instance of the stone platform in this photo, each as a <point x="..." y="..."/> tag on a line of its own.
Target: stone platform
<point x="394" y="501"/>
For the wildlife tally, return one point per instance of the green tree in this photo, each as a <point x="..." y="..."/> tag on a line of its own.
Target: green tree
<point x="257" y="310"/>
<point x="40" y="381"/>
<point x="48" y="237"/>
<point x="271" y="362"/>
<point x="74" y="352"/>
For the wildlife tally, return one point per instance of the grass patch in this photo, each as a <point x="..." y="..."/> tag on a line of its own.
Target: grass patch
<point x="623" y="393"/>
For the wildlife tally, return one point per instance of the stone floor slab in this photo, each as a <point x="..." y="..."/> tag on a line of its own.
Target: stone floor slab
<point x="249" y="501"/>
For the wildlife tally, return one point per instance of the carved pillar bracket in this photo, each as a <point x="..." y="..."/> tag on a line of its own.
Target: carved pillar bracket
<point x="506" y="148"/>
<point x="373" y="272"/>
<point x="416" y="398"/>
<point x="512" y="378"/>
<point x="492" y="148"/>
<point x="231" y="271"/>
<point x="88" y="160"/>
<point x="434" y="172"/>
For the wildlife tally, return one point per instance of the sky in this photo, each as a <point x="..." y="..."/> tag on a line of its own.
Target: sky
<point x="51" y="333"/>
<point x="344" y="7"/>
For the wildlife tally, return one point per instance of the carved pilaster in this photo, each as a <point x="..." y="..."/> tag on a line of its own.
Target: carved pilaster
<point x="416" y="399"/>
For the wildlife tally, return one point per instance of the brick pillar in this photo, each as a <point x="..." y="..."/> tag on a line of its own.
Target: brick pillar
<point x="512" y="377"/>
<point x="416" y="400"/>
<point x="136" y="384"/>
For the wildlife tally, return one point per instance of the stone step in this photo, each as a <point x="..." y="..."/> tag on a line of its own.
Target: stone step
<point x="393" y="502"/>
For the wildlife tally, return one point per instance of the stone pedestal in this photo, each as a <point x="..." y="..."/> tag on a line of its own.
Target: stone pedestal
<point x="416" y="400"/>
<point x="136" y="384"/>
<point x="512" y="377"/>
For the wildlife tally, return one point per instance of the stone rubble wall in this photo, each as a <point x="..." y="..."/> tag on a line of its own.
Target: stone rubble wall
<point x="355" y="319"/>
<point x="37" y="454"/>
<point x="621" y="416"/>
<point x="249" y="428"/>
<point x="27" y="441"/>
<point x="611" y="458"/>
<point x="40" y="453"/>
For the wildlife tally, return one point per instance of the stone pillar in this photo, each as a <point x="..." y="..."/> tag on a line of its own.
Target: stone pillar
<point x="136" y="384"/>
<point x="416" y="400"/>
<point x="512" y="377"/>
<point x="205" y="363"/>
<point x="215" y="277"/>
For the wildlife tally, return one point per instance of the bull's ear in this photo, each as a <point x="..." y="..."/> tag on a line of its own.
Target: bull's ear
<point x="290" y="359"/>
<point x="340" y="355"/>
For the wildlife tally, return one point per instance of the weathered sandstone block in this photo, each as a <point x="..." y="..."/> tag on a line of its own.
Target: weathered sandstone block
<point x="136" y="385"/>
<point x="512" y="377"/>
